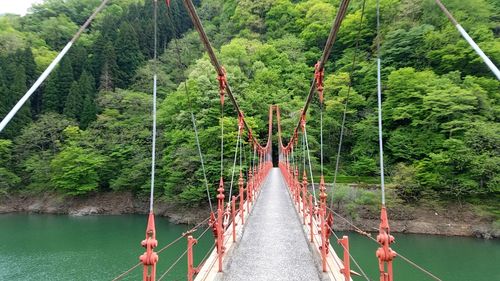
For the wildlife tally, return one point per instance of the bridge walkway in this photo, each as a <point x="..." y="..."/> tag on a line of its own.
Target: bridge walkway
<point x="273" y="245"/>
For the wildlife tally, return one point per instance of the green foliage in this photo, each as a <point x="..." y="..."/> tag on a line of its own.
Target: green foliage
<point x="402" y="48"/>
<point x="440" y="103"/>
<point x="128" y="55"/>
<point x="58" y="87"/>
<point x="75" y="169"/>
<point x="192" y="196"/>
<point x="57" y="31"/>
<point x="88" y="94"/>
<point x="8" y="179"/>
<point x="73" y="105"/>
<point x="405" y="182"/>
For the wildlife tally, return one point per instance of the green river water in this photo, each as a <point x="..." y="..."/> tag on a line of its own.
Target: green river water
<point x="50" y="247"/>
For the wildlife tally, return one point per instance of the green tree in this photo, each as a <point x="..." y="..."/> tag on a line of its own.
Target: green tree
<point x="28" y="61"/>
<point x="88" y="94"/>
<point x="79" y="60"/>
<point x="7" y="178"/>
<point x="406" y="47"/>
<point x="57" y="31"/>
<point x="128" y="55"/>
<point x="16" y="90"/>
<point x="74" y="102"/>
<point x="75" y="170"/>
<point x="108" y="75"/>
<point x="51" y="95"/>
<point x="58" y="87"/>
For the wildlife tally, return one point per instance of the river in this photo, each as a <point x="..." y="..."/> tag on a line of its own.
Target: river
<point x="51" y="247"/>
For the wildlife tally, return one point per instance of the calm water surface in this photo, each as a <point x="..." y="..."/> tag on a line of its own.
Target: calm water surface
<point x="49" y="247"/>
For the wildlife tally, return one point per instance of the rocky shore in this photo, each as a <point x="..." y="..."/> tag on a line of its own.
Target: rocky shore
<point x="450" y="221"/>
<point x="109" y="203"/>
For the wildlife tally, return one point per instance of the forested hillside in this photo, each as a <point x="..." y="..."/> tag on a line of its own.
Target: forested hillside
<point x="89" y="128"/>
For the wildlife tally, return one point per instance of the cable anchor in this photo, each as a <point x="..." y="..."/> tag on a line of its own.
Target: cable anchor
<point x="222" y="84"/>
<point x="319" y="75"/>
<point x="384" y="253"/>
<point x="150" y="257"/>
<point x="303" y="121"/>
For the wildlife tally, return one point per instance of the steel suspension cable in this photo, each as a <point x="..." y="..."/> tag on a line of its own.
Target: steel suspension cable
<point x="379" y="103"/>
<point x="234" y="166"/>
<point x="222" y="141"/>
<point x="349" y="252"/>
<point x="51" y="67"/>
<point x="218" y="67"/>
<point x="180" y="257"/>
<point x="304" y="154"/>
<point x="310" y="166"/>
<point x="155" y="70"/>
<point x="344" y="114"/>
<point x="469" y="40"/>
<point x="204" y="259"/>
<point x="325" y="55"/>
<point x="368" y="235"/>
<point x="193" y="118"/>
<point x="193" y="229"/>
<point x="321" y="135"/>
<point x="430" y="274"/>
<point x="150" y="258"/>
<point x="242" y="153"/>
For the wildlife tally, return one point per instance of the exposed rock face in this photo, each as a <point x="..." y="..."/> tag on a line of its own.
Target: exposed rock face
<point x="110" y="203"/>
<point x="453" y="221"/>
<point x="85" y="211"/>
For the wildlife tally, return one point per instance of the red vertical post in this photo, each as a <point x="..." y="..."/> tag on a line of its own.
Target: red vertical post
<point x="311" y="215"/>
<point x="322" y="214"/>
<point x="242" y="198"/>
<point x="233" y="216"/>
<point x="191" y="270"/>
<point x="249" y="190"/>
<point x="255" y="182"/>
<point x="344" y="241"/>
<point x="220" y="228"/>
<point x="384" y="253"/>
<point x="297" y="185"/>
<point x="150" y="257"/>
<point x="304" y="196"/>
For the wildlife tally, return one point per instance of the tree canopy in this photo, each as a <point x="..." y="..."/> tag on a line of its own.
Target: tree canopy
<point x="89" y="128"/>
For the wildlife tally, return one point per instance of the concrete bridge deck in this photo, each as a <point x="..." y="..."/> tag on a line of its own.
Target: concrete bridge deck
<point x="273" y="245"/>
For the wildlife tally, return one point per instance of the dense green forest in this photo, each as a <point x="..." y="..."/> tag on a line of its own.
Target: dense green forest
<point x="88" y="128"/>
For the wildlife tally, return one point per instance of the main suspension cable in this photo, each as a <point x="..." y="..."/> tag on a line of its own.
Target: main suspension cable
<point x="324" y="57"/>
<point x="51" y="67"/>
<point x="469" y="40"/>
<point x="218" y="67"/>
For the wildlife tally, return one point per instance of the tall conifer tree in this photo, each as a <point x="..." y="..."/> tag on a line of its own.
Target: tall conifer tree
<point x="128" y="54"/>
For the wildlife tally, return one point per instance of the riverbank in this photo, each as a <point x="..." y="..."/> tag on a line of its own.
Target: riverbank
<point x="449" y="220"/>
<point x="106" y="203"/>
